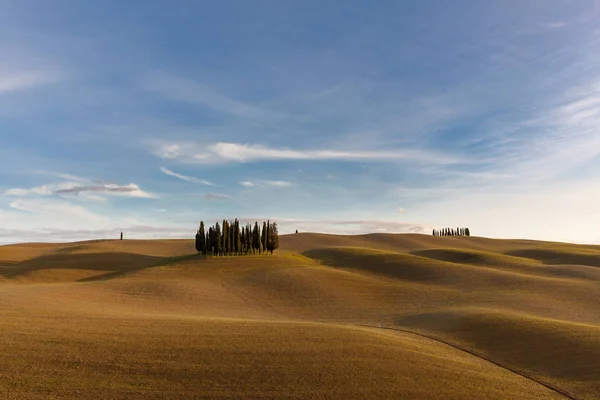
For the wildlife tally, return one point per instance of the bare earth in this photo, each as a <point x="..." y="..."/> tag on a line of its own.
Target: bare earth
<point x="327" y="317"/>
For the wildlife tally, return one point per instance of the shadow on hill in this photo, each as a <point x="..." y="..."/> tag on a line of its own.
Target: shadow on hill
<point x="113" y="264"/>
<point x="559" y="350"/>
<point x="394" y="265"/>
<point x="474" y="257"/>
<point x="558" y="257"/>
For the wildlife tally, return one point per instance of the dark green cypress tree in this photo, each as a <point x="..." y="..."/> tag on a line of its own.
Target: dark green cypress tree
<point x="198" y="241"/>
<point x="238" y="237"/>
<point x="225" y="240"/>
<point x="273" y="237"/>
<point x="263" y="237"/>
<point x="250" y="235"/>
<point x="202" y="238"/>
<point x="243" y="239"/>
<point x="207" y="241"/>
<point x="467" y="232"/>
<point x="268" y="244"/>
<point x="218" y="239"/>
<point x="232" y="237"/>
<point x="256" y="238"/>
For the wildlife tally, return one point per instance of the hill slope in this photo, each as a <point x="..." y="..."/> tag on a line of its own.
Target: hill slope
<point x="152" y="319"/>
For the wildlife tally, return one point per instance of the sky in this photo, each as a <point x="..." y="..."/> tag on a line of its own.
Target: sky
<point x="325" y="116"/>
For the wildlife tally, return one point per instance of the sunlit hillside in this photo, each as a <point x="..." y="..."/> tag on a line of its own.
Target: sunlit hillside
<point x="338" y="317"/>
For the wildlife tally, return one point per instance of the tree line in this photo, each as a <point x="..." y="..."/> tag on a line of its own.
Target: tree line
<point x="452" y="232"/>
<point x="230" y="238"/>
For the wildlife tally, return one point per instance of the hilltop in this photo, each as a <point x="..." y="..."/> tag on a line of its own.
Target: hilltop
<point x="386" y="316"/>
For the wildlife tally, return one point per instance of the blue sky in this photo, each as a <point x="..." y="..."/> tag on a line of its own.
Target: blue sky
<point x="341" y="117"/>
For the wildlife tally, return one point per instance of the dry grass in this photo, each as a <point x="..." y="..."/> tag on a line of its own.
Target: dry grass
<point x="150" y="319"/>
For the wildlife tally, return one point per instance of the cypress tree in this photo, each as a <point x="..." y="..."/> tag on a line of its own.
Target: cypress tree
<point x="273" y="237"/>
<point x="236" y="237"/>
<point x="243" y="234"/>
<point x="202" y="238"/>
<point x="263" y="237"/>
<point x="198" y="241"/>
<point x="467" y="232"/>
<point x="225" y="242"/>
<point x="218" y="239"/>
<point x="256" y="238"/>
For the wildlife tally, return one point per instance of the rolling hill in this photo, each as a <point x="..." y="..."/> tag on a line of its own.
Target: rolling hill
<point x="370" y="316"/>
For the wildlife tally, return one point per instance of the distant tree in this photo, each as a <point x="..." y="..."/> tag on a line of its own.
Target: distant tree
<point x="467" y="232"/>
<point x="273" y="242"/>
<point x="207" y="241"/>
<point x="256" y="238"/>
<point x="218" y="239"/>
<point x="263" y="237"/>
<point x="225" y="243"/>
<point x="238" y="237"/>
<point x="296" y="230"/>
<point x="121" y="235"/>
<point x="201" y="239"/>
<point x="198" y="242"/>
<point x="211" y="240"/>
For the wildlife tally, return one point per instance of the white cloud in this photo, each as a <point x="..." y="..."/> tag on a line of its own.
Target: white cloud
<point x="58" y="209"/>
<point x="39" y="190"/>
<point x="13" y="81"/>
<point x="66" y="177"/>
<point x="250" y="184"/>
<point x="236" y="152"/>
<point x="185" y="178"/>
<point x="130" y="190"/>
<point x="216" y="197"/>
<point x="91" y="191"/>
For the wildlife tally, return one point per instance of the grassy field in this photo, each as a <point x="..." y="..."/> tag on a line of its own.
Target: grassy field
<point x="352" y="317"/>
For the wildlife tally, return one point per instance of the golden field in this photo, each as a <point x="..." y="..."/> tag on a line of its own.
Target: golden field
<point x="326" y="317"/>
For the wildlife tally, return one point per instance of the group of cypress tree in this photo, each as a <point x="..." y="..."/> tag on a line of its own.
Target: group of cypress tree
<point x="231" y="239"/>
<point x="452" y="232"/>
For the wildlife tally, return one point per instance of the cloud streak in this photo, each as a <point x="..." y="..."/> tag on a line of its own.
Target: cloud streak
<point x="130" y="190"/>
<point x="280" y="184"/>
<point x="11" y="81"/>
<point x="186" y="178"/>
<point x="216" y="197"/>
<point x="223" y="152"/>
<point x="180" y="89"/>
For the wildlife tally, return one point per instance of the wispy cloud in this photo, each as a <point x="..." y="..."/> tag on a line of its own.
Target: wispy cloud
<point x="216" y="197"/>
<point x="67" y="177"/>
<point x="250" y="184"/>
<point x="237" y="152"/>
<point x="180" y="89"/>
<point x="13" y="81"/>
<point x="55" y="207"/>
<point x="185" y="177"/>
<point x="130" y="190"/>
